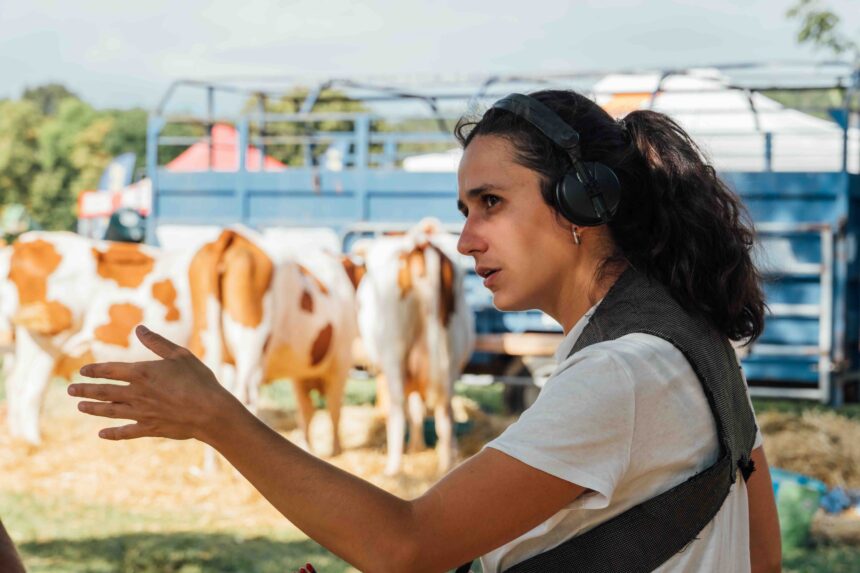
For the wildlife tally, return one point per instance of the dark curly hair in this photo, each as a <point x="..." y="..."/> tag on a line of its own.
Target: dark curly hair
<point x="677" y="221"/>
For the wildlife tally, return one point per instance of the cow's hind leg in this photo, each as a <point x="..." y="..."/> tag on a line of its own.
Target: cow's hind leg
<point x="334" y="402"/>
<point x="416" y="422"/>
<point x="396" y="426"/>
<point x="446" y="446"/>
<point x="306" y="412"/>
<point x="28" y="382"/>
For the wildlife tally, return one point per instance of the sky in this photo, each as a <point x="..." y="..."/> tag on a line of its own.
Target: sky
<point x="125" y="54"/>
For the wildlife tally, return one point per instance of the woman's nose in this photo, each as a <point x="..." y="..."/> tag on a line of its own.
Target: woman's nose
<point x="469" y="241"/>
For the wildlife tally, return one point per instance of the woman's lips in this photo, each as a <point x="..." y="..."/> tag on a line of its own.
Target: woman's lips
<point x="491" y="278"/>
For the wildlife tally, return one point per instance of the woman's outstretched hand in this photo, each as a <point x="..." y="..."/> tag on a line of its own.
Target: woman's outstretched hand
<point x="177" y="397"/>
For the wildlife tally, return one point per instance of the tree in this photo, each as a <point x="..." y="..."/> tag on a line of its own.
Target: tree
<point x="52" y="198"/>
<point x="329" y="101"/>
<point x="127" y="134"/>
<point x="89" y="156"/>
<point x="48" y="96"/>
<point x="820" y="27"/>
<point x="19" y="146"/>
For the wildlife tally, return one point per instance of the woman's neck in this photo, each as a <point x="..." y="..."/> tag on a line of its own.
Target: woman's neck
<point x="583" y="289"/>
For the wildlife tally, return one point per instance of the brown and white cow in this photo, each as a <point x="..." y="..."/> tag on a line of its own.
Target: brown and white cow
<point x="416" y="327"/>
<point x="74" y="300"/>
<point x="263" y="314"/>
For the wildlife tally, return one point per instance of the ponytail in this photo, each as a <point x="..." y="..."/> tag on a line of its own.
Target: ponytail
<point x="687" y="229"/>
<point x="677" y="221"/>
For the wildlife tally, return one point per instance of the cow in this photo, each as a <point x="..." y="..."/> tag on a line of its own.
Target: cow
<point x="260" y="311"/>
<point x="418" y="331"/>
<point x="74" y="300"/>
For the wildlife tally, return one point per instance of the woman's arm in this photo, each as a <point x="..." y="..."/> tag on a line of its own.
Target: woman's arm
<point x="765" y="543"/>
<point x="487" y="501"/>
<point x="10" y="562"/>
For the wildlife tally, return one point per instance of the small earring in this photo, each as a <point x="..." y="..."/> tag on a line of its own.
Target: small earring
<point x="576" y="238"/>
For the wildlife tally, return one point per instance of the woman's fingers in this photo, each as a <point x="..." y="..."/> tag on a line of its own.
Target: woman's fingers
<point x="108" y="410"/>
<point x="123" y="371"/>
<point x="103" y="392"/>
<point x="157" y="343"/>
<point x="127" y="432"/>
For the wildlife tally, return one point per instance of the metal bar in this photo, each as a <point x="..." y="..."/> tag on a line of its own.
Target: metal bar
<point x="825" y="324"/>
<point x="798" y="393"/>
<point x="488" y="379"/>
<point x="210" y="112"/>
<point x="779" y="309"/>
<point x="795" y="270"/>
<point x="778" y="228"/>
<point x="768" y="150"/>
<point x="846" y="108"/>
<point x="242" y="172"/>
<point x="261" y="110"/>
<point x="785" y="350"/>
<point x="154" y="125"/>
<point x="361" y="158"/>
<point x="519" y="344"/>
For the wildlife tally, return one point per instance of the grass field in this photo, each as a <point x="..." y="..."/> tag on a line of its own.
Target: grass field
<point x="83" y="505"/>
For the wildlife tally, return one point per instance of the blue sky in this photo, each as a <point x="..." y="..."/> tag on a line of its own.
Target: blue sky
<point x="124" y="54"/>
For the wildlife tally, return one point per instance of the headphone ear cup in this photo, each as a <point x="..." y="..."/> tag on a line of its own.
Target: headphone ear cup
<point x="574" y="201"/>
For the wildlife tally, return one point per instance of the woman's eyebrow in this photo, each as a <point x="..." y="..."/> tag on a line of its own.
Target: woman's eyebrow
<point x="474" y="192"/>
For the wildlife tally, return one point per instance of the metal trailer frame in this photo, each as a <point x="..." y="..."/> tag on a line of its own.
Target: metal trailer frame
<point x="810" y="348"/>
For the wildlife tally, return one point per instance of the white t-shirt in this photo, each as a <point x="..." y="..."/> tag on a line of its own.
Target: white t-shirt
<point x="627" y="419"/>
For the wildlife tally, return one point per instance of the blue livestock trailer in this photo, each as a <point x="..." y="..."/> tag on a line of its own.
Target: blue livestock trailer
<point x="381" y="166"/>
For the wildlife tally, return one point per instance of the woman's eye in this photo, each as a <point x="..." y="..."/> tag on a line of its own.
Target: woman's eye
<point x="490" y="200"/>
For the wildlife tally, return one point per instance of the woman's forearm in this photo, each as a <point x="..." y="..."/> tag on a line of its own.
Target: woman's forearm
<point x="10" y="562"/>
<point x="363" y="524"/>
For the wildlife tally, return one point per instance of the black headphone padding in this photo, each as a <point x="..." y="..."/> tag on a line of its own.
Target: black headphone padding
<point x="589" y="193"/>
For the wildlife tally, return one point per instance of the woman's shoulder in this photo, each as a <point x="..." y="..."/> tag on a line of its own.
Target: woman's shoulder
<point x="641" y="368"/>
<point x="631" y="353"/>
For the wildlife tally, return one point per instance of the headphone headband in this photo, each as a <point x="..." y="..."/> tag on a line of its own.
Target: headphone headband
<point x="589" y="193"/>
<point x="543" y="118"/>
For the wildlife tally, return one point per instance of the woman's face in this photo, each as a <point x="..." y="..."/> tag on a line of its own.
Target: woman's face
<point x="509" y="228"/>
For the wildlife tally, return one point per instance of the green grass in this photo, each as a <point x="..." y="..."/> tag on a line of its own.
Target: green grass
<point x="761" y="405"/>
<point x="191" y="552"/>
<point x="823" y="559"/>
<point x="363" y="391"/>
<point x="64" y="536"/>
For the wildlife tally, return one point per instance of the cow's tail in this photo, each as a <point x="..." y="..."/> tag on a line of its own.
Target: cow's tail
<point x="204" y="279"/>
<point x="436" y="331"/>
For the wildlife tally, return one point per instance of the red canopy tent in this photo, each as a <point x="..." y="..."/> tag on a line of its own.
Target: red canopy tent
<point x="225" y="155"/>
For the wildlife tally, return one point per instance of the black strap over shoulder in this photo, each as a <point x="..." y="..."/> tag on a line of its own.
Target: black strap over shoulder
<point x="647" y="535"/>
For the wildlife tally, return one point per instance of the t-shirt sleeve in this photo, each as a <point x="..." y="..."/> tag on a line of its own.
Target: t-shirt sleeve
<point x="580" y="428"/>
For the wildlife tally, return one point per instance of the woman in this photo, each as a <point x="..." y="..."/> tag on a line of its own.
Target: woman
<point x="620" y="421"/>
<point x="10" y="561"/>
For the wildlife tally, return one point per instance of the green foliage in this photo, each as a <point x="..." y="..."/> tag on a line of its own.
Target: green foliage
<point x="815" y="102"/>
<point x="820" y="27"/>
<point x="127" y="134"/>
<point x="19" y="147"/>
<point x="53" y="198"/>
<point x="167" y="153"/>
<point x="48" y="97"/>
<point x="89" y="157"/>
<point x="329" y="101"/>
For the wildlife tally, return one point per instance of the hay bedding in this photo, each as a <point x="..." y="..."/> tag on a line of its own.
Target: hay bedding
<point x="823" y="445"/>
<point x="162" y="475"/>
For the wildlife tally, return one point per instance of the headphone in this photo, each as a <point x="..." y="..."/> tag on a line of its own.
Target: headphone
<point x="589" y="192"/>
